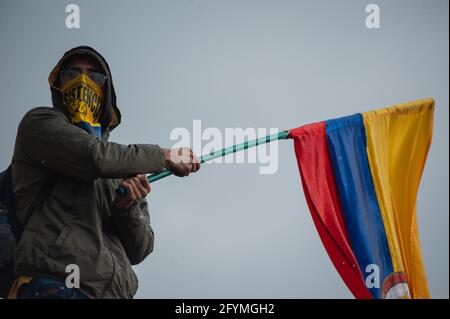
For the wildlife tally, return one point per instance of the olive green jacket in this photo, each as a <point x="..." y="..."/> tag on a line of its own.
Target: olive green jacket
<point x="78" y="223"/>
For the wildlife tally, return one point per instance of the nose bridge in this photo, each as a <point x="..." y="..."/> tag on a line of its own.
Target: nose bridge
<point x="84" y="70"/>
<point x="84" y="76"/>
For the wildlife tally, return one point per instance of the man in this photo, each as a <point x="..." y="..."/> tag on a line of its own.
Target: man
<point x="65" y="173"/>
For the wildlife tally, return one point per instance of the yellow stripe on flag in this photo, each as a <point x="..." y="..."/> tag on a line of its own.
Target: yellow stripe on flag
<point x="398" y="139"/>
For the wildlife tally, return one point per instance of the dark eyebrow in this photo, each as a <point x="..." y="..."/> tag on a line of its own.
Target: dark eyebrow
<point x="93" y="69"/>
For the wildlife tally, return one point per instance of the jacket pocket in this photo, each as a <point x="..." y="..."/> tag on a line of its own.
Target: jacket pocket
<point x="60" y="240"/>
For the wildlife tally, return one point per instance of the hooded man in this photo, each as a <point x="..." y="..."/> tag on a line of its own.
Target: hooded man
<point x="65" y="172"/>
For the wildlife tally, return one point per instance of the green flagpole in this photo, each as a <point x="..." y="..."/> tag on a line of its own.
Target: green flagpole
<point x="120" y="191"/>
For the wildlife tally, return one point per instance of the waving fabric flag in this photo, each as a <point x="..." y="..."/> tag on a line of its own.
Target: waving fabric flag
<point x="360" y="175"/>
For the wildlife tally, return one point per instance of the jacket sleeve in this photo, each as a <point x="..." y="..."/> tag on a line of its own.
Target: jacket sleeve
<point x="48" y="139"/>
<point x="134" y="229"/>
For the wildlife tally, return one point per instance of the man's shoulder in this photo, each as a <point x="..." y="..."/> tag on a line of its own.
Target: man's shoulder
<point x="40" y="112"/>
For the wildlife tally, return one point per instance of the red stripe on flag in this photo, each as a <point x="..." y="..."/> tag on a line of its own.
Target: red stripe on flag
<point x="321" y="194"/>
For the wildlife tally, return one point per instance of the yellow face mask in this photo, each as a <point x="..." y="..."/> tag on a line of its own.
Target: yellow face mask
<point x="83" y="98"/>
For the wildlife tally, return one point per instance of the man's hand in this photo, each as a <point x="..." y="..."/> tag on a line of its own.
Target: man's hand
<point x="137" y="187"/>
<point x="181" y="161"/>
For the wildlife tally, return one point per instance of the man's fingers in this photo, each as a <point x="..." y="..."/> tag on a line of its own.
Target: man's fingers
<point x="183" y="161"/>
<point x="178" y="170"/>
<point x="144" y="181"/>
<point x="195" y="159"/>
<point x="139" y="190"/>
<point x="130" y="191"/>
<point x="141" y="187"/>
<point x="196" y="164"/>
<point x="137" y="187"/>
<point x="135" y="192"/>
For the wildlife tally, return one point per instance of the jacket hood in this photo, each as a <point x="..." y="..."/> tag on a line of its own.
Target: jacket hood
<point x="111" y="116"/>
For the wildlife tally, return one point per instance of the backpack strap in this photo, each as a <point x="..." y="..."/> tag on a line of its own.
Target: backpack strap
<point x="7" y="200"/>
<point x="45" y="190"/>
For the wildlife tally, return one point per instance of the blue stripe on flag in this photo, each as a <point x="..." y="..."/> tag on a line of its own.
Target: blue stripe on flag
<point x="347" y="147"/>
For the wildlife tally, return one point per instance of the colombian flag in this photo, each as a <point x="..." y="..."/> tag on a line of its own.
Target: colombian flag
<point x="360" y="175"/>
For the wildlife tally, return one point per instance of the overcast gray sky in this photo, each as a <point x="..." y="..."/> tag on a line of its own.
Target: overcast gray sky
<point x="229" y="232"/>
